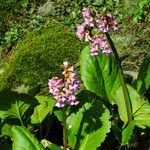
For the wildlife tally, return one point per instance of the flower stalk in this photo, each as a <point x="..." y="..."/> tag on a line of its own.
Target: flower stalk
<point x="124" y="87"/>
<point x="64" y="129"/>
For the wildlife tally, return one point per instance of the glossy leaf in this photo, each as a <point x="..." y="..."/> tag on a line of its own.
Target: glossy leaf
<point x="15" y="105"/>
<point x="140" y="107"/>
<point x="23" y="139"/>
<point x="58" y="114"/>
<point x="99" y="74"/>
<point x="143" y="80"/>
<point x="45" y="107"/>
<point x="5" y="129"/>
<point x="89" y="124"/>
<point x="127" y="133"/>
<point x="142" y="116"/>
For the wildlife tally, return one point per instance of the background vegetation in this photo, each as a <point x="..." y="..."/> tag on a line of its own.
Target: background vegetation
<point x="36" y="36"/>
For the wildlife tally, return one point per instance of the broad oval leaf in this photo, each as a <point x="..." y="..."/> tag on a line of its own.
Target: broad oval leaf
<point x="23" y="139"/>
<point x="140" y="107"/>
<point x="15" y="105"/>
<point x="90" y="123"/>
<point x="99" y="74"/>
<point x="45" y="107"/>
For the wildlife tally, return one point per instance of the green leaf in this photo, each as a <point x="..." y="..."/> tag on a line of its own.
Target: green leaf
<point x="43" y="109"/>
<point x="127" y="133"/>
<point x="5" y="129"/>
<point x="58" y="114"/>
<point x="140" y="107"/>
<point x="89" y="124"/>
<point x="143" y="80"/>
<point x="99" y="74"/>
<point x="23" y="139"/>
<point x="142" y="116"/>
<point x="15" y="105"/>
<point x="54" y="147"/>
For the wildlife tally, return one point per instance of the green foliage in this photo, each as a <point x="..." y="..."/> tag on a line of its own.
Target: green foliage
<point x="140" y="107"/>
<point x="37" y="22"/>
<point x="127" y="133"/>
<point x="142" y="82"/>
<point x="22" y="139"/>
<point x="54" y="147"/>
<point x="69" y="12"/>
<point x="90" y="123"/>
<point x="100" y="75"/>
<point x="9" y="10"/>
<point x="44" y="108"/>
<point x="11" y="36"/>
<point x="142" y="115"/>
<point x="14" y="105"/>
<point x="141" y="7"/>
<point x="39" y="56"/>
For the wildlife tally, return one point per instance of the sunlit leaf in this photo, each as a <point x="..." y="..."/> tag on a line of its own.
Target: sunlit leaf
<point x="23" y="139"/>
<point x="140" y="107"/>
<point x="54" y="147"/>
<point x="45" y="107"/>
<point x="89" y="124"/>
<point x="99" y="74"/>
<point x="127" y="133"/>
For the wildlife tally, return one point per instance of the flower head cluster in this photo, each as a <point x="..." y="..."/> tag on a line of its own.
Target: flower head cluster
<point x="82" y="30"/>
<point x="103" y="23"/>
<point x="88" y="19"/>
<point x="64" y="89"/>
<point x="100" y="42"/>
<point x="106" y="22"/>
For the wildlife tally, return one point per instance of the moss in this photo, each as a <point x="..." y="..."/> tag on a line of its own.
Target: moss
<point x="39" y="56"/>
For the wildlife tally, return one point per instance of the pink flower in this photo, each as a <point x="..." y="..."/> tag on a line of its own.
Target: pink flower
<point x="64" y="89"/>
<point x="104" y="23"/>
<point x="81" y="31"/>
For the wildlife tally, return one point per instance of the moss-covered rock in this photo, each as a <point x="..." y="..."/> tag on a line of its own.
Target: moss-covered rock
<point x="39" y="56"/>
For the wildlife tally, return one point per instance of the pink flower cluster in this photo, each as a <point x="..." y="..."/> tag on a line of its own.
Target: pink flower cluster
<point x="64" y="89"/>
<point x="103" y="23"/>
<point x="100" y="42"/>
<point x="106" y="22"/>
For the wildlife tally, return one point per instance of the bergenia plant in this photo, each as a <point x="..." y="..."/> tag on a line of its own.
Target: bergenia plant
<point x="102" y="76"/>
<point x="102" y="73"/>
<point x="105" y="105"/>
<point x="63" y="90"/>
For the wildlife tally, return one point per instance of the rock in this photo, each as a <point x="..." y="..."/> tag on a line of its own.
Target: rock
<point x="40" y="55"/>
